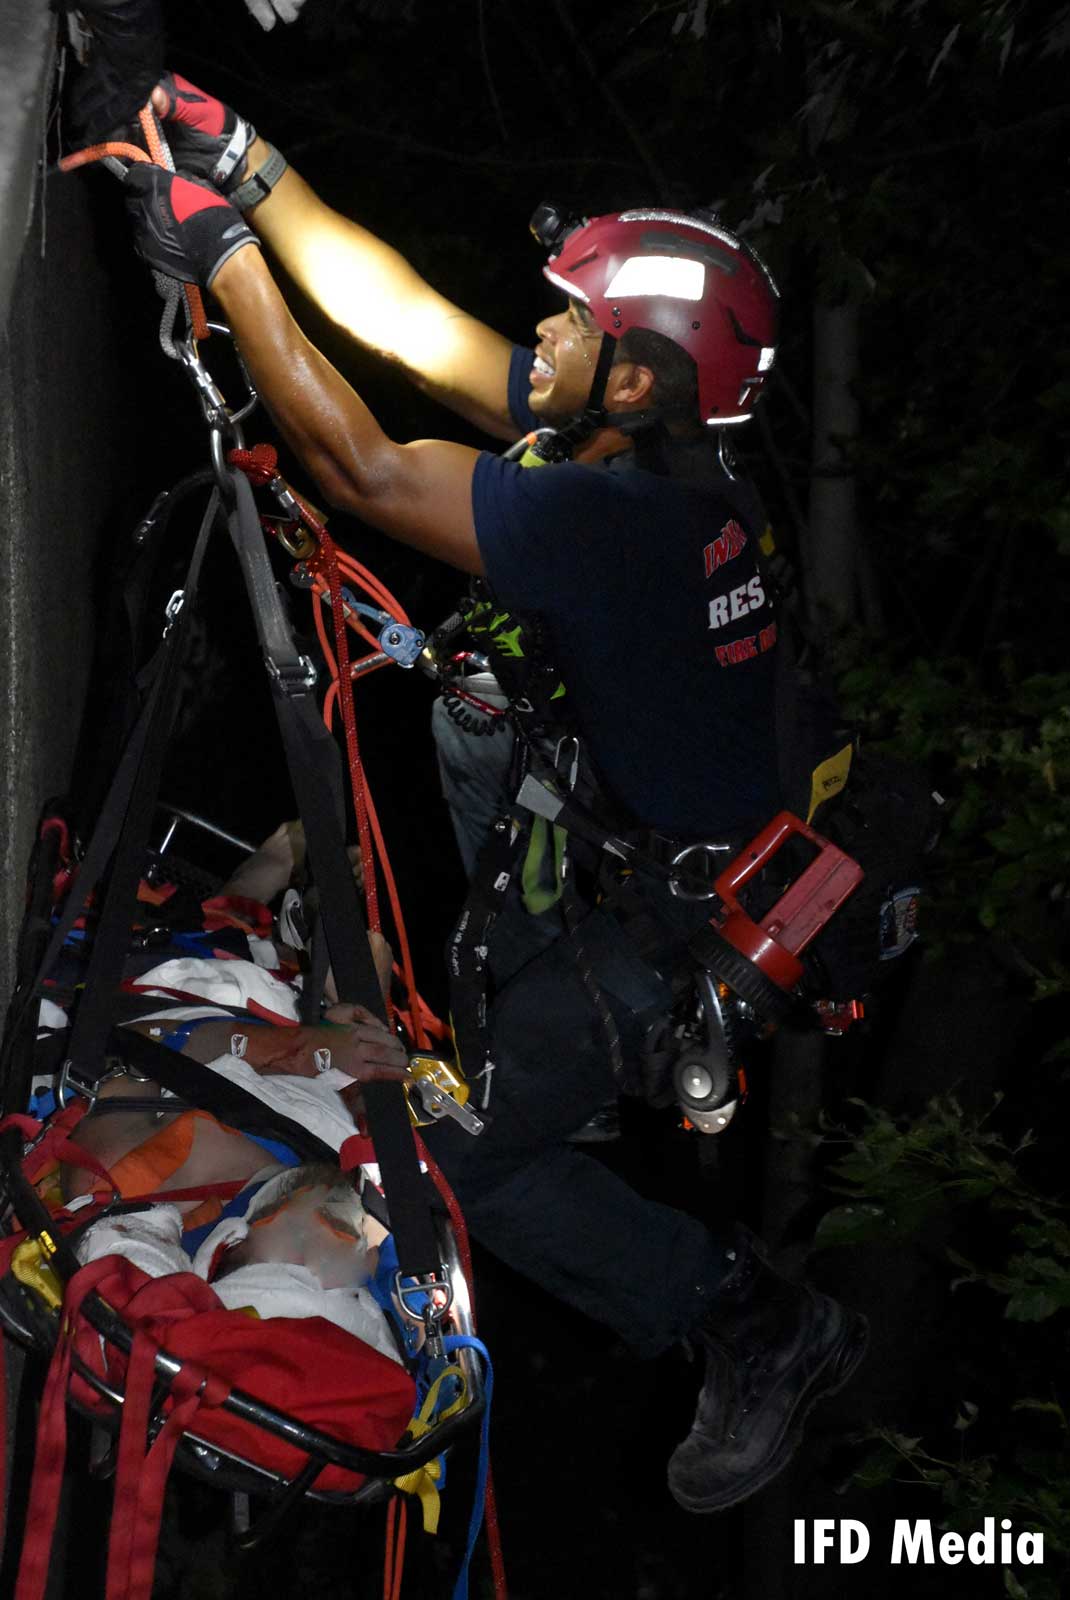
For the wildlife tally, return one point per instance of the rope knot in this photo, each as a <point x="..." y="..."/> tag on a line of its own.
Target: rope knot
<point x="260" y="464"/>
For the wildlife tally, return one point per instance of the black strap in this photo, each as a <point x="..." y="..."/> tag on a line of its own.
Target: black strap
<point x="94" y="1016"/>
<point x="144" y="744"/>
<point x="198" y="1085"/>
<point x="315" y="772"/>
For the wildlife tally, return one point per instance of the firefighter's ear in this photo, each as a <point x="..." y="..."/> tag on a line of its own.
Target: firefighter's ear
<point x="630" y="387"/>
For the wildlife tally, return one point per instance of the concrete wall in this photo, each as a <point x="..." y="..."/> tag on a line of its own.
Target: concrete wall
<point x="60" y="452"/>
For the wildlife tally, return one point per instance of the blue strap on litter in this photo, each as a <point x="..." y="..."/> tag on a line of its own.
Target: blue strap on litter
<point x="459" y="1341"/>
<point x="274" y="1147"/>
<point x="42" y="1104"/>
<point x="237" y="1206"/>
<point x="176" y="1039"/>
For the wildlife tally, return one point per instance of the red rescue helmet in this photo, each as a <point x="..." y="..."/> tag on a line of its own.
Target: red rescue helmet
<point x="682" y="276"/>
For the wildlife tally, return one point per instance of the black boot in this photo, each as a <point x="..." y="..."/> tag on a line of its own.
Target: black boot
<point x="772" y="1350"/>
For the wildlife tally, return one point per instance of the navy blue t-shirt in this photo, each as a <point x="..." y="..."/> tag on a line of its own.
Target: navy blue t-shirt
<point x="658" y="621"/>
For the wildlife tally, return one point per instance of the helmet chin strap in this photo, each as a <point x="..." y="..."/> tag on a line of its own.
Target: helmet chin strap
<point x="564" y="442"/>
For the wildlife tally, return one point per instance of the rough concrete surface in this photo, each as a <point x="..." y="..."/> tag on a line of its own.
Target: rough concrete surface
<point x="59" y="464"/>
<point x="27" y="33"/>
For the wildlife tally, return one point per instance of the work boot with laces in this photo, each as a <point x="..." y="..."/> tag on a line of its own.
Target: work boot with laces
<point x="772" y="1350"/>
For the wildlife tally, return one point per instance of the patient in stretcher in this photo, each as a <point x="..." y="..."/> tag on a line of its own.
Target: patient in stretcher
<point x="149" y="1151"/>
<point x="300" y="1244"/>
<point x="296" y="1240"/>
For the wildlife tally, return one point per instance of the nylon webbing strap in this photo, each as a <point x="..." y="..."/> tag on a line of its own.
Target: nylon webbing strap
<point x="467" y="950"/>
<point x="313" y="759"/>
<point x="198" y="1085"/>
<point x="142" y="781"/>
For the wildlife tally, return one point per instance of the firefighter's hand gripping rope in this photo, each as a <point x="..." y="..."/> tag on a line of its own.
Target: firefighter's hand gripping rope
<point x="208" y="139"/>
<point x="183" y="228"/>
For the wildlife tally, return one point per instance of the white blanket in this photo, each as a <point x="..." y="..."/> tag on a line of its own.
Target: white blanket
<point x="152" y="1241"/>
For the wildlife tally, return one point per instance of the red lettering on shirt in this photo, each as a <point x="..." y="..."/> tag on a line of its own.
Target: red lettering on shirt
<point x="745" y="649"/>
<point x="727" y="545"/>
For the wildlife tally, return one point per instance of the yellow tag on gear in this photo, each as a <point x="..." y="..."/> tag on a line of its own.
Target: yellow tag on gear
<point x="828" y="778"/>
<point x="32" y="1269"/>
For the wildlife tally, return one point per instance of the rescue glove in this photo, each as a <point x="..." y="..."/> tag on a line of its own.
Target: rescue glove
<point x="207" y="138"/>
<point x="124" y="61"/>
<point x="183" y="228"/>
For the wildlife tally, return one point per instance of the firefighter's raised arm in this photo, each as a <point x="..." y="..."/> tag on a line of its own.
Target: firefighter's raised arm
<point x="365" y="286"/>
<point x="419" y="493"/>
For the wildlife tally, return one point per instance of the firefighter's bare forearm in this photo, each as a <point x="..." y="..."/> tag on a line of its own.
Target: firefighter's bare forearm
<point x="368" y="289"/>
<point x="322" y="418"/>
<point x="418" y="493"/>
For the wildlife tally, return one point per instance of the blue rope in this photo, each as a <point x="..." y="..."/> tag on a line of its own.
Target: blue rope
<point x="457" y="1341"/>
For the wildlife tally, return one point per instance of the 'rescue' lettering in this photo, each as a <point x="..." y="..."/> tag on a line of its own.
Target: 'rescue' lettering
<point x="725" y="608"/>
<point x="727" y="545"/>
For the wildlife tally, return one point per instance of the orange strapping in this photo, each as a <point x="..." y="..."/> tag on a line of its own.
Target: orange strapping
<point x="146" y="1169"/>
<point x="150" y="128"/>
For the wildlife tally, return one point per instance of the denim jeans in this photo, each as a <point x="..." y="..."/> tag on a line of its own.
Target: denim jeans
<point x="562" y="1218"/>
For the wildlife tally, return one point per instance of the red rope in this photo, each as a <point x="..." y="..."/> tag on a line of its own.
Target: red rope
<point x="327" y="568"/>
<point x="397" y="1516"/>
<point x="464" y="1250"/>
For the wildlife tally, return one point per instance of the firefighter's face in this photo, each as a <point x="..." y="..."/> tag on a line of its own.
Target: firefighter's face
<point x="565" y="358"/>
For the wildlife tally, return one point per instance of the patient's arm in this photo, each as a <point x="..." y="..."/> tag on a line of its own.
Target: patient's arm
<point x="360" y="1045"/>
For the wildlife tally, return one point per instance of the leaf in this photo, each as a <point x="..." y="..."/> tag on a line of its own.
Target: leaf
<point x="1012" y="1585"/>
<point x="878" y="1468"/>
<point x="944" y="51"/>
<point x="1049" y="1407"/>
<point x="968" y="1413"/>
<point x="1031" y="1305"/>
<point x="851" y="1225"/>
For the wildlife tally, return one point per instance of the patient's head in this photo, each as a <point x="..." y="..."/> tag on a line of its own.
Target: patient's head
<point x="311" y="1216"/>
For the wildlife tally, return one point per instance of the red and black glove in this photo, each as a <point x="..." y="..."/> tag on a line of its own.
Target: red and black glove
<point x="207" y="138"/>
<point x="183" y="228"/>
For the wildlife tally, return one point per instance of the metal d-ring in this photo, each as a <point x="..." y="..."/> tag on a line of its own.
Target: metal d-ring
<point x="676" y="887"/>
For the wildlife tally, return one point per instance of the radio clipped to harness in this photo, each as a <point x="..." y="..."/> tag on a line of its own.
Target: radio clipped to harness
<point x="775" y="943"/>
<point x="759" y="957"/>
<point x="749" y="967"/>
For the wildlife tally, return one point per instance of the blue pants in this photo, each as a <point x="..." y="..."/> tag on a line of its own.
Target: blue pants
<point x="549" y="1210"/>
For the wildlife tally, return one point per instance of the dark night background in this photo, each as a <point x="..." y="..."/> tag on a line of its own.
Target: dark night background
<point x="907" y="161"/>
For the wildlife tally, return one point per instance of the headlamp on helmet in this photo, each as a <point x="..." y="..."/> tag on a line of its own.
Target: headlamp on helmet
<point x="551" y="224"/>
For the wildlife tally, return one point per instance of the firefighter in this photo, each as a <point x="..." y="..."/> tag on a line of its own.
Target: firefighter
<point x="638" y="557"/>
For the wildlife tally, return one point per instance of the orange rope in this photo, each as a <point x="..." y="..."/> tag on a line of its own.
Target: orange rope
<point x="419" y="1031"/>
<point x="260" y="465"/>
<point x="158" y="157"/>
<point x="377" y="589"/>
<point x="97" y="152"/>
<point x="320" y="587"/>
<point x="349" y="724"/>
<point x="394" y="1555"/>
<point x="150" y="129"/>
